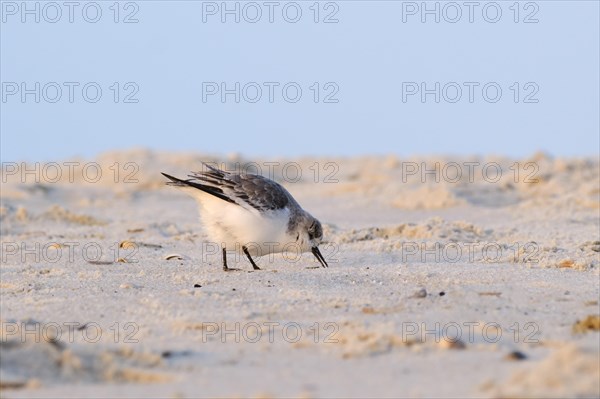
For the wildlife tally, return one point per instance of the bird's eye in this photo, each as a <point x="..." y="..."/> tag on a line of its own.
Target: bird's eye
<point x="315" y="231"/>
<point x="311" y="231"/>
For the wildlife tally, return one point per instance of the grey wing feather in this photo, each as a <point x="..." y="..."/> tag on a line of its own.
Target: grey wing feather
<point x="256" y="191"/>
<point x="262" y="193"/>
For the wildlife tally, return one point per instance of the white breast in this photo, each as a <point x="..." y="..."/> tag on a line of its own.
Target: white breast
<point x="231" y="226"/>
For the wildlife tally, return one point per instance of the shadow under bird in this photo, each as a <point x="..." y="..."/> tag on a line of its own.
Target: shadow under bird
<point x="252" y="213"/>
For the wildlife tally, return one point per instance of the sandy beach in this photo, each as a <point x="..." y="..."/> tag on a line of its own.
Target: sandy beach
<point x="474" y="276"/>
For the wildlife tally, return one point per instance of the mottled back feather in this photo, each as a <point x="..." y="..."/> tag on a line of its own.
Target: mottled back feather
<point x="256" y="191"/>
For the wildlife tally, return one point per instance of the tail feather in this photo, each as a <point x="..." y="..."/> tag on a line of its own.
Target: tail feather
<point x="174" y="181"/>
<point x="217" y="192"/>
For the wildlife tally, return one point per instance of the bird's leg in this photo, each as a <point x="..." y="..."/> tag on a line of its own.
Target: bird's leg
<point x="250" y="258"/>
<point x="225" y="268"/>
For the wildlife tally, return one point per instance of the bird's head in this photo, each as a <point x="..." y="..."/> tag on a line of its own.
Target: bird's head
<point x="309" y="235"/>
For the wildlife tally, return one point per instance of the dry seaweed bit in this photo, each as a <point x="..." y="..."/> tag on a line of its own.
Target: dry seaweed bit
<point x="566" y="263"/>
<point x="490" y="293"/>
<point x="100" y="262"/>
<point x="590" y="323"/>
<point x="127" y="244"/>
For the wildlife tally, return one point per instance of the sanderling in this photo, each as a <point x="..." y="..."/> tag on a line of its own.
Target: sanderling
<point x="251" y="213"/>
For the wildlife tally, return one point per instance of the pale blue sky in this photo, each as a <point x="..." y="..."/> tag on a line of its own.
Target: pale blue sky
<point x="370" y="57"/>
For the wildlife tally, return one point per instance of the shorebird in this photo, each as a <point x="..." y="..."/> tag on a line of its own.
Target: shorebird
<point x="252" y="213"/>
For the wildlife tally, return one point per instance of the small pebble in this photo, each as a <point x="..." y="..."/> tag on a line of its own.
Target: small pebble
<point x="129" y="285"/>
<point x="516" y="355"/>
<point x="422" y="293"/>
<point x="452" y="344"/>
<point x="56" y="344"/>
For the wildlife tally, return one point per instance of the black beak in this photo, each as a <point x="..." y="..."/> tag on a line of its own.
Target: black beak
<point x="317" y="254"/>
